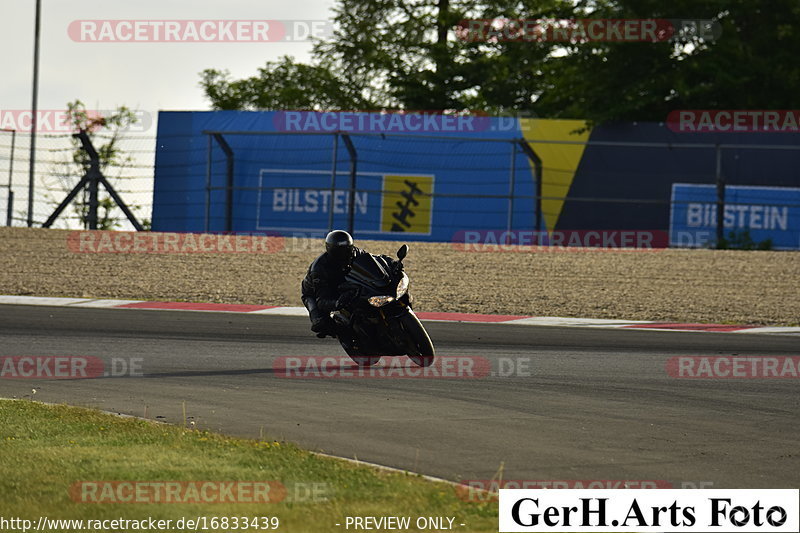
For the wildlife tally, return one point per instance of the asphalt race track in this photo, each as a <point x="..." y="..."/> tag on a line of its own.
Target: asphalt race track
<point x="590" y="404"/>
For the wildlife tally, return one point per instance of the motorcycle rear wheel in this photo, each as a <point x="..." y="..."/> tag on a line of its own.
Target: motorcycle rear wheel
<point x="361" y="359"/>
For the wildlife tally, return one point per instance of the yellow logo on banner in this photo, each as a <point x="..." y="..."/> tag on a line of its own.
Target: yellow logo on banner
<point x="407" y="203"/>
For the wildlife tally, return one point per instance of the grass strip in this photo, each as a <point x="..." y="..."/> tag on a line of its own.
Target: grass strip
<point x="57" y="462"/>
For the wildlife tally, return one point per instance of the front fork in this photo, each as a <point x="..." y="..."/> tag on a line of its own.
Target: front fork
<point x="393" y="324"/>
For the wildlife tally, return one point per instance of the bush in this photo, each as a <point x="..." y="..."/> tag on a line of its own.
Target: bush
<point x="741" y="240"/>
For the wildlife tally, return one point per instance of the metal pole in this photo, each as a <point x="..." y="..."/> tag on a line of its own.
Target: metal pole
<point x="228" y="181"/>
<point x="537" y="168"/>
<point x="352" y="193"/>
<point x="9" y="214"/>
<point x="92" y="177"/>
<point x="511" y="184"/>
<point x="720" y="198"/>
<point x="9" y="218"/>
<point x="118" y="199"/>
<point x="65" y="202"/>
<point x="333" y="179"/>
<point x="229" y="191"/>
<point x="34" y="111"/>
<point x="94" y="189"/>
<point x="208" y="183"/>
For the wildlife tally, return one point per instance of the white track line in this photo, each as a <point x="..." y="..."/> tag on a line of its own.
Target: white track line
<point x="301" y="311"/>
<point x="105" y="303"/>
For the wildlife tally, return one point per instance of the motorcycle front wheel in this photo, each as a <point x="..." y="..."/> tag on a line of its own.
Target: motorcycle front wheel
<point x="421" y="349"/>
<point x="365" y="360"/>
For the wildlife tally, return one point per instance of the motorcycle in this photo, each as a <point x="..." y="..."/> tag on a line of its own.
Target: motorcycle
<point x="380" y="316"/>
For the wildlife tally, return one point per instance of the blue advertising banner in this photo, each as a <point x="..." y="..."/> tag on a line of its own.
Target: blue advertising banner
<point x="419" y="185"/>
<point x="765" y="213"/>
<point x="434" y="177"/>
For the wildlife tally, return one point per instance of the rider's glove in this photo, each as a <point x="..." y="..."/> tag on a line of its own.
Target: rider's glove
<point x="346" y="299"/>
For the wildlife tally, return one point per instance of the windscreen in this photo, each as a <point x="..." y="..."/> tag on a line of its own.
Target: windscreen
<point x="368" y="270"/>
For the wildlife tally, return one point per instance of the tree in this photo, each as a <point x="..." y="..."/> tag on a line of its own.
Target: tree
<point x="282" y="84"/>
<point x="396" y="54"/>
<point x="751" y="65"/>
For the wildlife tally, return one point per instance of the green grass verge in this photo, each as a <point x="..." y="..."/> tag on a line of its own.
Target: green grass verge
<point x="46" y="449"/>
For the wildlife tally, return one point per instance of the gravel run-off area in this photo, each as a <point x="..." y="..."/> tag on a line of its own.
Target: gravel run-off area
<point x="710" y="286"/>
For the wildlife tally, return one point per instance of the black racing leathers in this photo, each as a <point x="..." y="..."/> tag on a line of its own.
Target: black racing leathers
<point x="319" y="289"/>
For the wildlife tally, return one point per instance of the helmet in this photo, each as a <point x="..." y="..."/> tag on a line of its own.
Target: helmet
<point x="340" y="247"/>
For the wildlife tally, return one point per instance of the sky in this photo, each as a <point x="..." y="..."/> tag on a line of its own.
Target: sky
<point x="142" y="75"/>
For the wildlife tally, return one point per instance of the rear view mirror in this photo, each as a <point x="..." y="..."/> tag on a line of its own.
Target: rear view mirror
<point x="402" y="252"/>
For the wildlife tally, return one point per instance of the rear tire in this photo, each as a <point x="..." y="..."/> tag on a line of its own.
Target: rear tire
<point x="354" y="352"/>
<point x="359" y="358"/>
<point x="421" y="349"/>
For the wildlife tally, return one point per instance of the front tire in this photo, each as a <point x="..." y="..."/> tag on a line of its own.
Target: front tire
<point x="420" y="347"/>
<point x="365" y="360"/>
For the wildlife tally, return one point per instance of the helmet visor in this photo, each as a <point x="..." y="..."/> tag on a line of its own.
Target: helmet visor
<point x="341" y="254"/>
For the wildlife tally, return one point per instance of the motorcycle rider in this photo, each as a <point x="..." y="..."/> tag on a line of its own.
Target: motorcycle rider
<point x="320" y="293"/>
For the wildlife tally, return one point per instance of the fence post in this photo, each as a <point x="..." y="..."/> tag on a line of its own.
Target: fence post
<point x="537" y="168"/>
<point x="720" y="198"/>
<point x="94" y="181"/>
<point x="333" y="179"/>
<point x="229" y="180"/>
<point x="208" y="183"/>
<point x="9" y="214"/>
<point x="511" y="186"/>
<point x="352" y="193"/>
<point x="9" y="218"/>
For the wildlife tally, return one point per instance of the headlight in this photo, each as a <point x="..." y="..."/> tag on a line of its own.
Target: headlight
<point x="379" y="301"/>
<point x="402" y="287"/>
